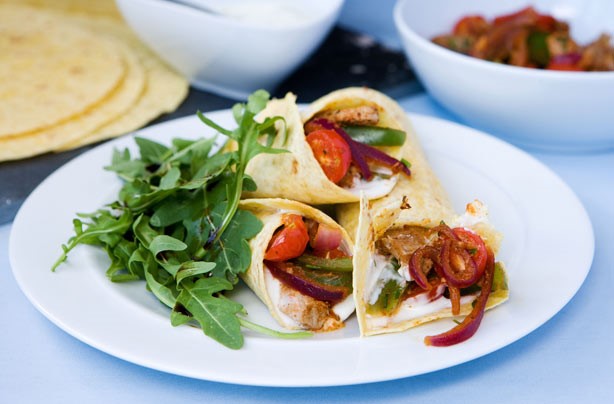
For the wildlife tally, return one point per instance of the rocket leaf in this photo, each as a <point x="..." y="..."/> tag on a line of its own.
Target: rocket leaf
<point x="176" y="223"/>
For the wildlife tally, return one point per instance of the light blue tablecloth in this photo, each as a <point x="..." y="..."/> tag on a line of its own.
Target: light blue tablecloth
<point x="567" y="360"/>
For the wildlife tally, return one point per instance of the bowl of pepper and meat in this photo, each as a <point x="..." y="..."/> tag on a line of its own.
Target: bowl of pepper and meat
<point x="540" y="75"/>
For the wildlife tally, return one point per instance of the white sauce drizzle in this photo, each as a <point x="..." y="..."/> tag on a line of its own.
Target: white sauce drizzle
<point x="404" y="272"/>
<point x="375" y="188"/>
<point x="378" y="275"/>
<point x="474" y="214"/>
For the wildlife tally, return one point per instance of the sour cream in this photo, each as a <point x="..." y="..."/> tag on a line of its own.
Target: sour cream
<point x="475" y="213"/>
<point x="378" y="275"/>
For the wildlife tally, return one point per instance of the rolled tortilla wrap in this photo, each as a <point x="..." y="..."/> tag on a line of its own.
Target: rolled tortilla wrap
<point x="369" y="266"/>
<point x="420" y="202"/>
<point x="297" y="175"/>
<point x="289" y="307"/>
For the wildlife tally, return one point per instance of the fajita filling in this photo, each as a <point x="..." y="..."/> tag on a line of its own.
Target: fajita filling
<point x="417" y="271"/>
<point x="349" y="143"/>
<point x="308" y="269"/>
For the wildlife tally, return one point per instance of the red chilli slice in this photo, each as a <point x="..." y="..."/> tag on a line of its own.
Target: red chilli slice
<point x="471" y="323"/>
<point x="459" y="268"/>
<point x="419" y="266"/>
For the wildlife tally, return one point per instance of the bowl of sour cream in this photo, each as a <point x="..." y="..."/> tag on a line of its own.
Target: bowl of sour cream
<point x="232" y="48"/>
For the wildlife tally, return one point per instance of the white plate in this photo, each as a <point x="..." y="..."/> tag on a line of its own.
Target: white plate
<point x="548" y="236"/>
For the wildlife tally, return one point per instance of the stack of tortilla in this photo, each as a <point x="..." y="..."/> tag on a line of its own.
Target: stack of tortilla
<point x="73" y="73"/>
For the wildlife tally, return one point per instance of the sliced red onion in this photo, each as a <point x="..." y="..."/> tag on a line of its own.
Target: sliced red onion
<point x="379" y="156"/>
<point x="327" y="238"/>
<point x="454" y="299"/>
<point x="279" y="271"/>
<point x="471" y="323"/>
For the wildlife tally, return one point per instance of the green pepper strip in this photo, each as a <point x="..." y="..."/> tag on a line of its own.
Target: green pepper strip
<point x="388" y="300"/>
<point x="327" y="264"/>
<point x="538" y="48"/>
<point x="376" y="136"/>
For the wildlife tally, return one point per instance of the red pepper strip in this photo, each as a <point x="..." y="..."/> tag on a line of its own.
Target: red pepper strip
<point x="471" y="323"/>
<point x="357" y="157"/>
<point x="526" y="15"/>
<point x="546" y="23"/>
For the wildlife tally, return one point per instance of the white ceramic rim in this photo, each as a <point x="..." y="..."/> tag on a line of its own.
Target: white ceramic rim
<point x="232" y="23"/>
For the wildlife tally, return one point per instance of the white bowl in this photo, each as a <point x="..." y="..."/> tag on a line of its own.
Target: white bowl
<point x="229" y="56"/>
<point x="553" y="110"/>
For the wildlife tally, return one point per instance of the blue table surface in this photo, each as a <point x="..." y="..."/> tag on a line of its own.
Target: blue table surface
<point x="567" y="360"/>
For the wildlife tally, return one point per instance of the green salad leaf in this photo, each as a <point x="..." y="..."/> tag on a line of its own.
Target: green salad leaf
<point x="176" y="223"/>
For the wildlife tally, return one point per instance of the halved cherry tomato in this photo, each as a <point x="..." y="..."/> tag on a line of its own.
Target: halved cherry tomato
<point x="475" y="245"/>
<point x="332" y="152"/>
<point x="288" y="242"/>
<point x="312" y="125"/>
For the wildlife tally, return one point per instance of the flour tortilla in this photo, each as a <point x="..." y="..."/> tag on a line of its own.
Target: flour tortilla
<point x="297" y="175"/>
<point x="163" y="92"/>
<point x="102" y="8"/>
<point x="146" y="89"/>
<point x="121" y="98"/>
<point x="271" y="212"/>
<point x="51" y="71"/>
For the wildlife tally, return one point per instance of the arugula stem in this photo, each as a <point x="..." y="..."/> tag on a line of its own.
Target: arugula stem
<point x="235" y="194"/>
<point x="231" y="208"/>
<point x="78" y="239"/>
<point x="272" y="333"/>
